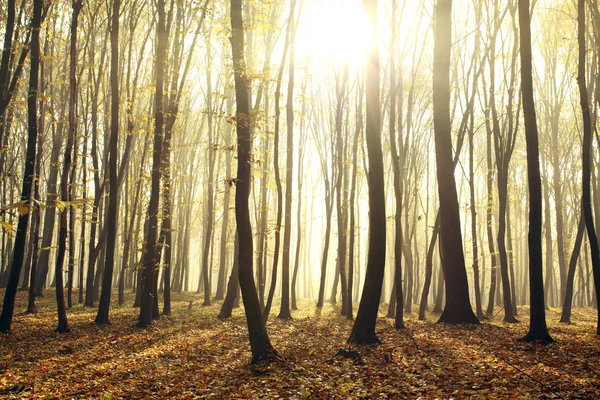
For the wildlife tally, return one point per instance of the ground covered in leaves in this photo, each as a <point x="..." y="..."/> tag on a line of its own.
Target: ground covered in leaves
<point x="191" y="354"/>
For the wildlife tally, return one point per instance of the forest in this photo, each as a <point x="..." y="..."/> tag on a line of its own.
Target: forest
<point x="300" y="199"/>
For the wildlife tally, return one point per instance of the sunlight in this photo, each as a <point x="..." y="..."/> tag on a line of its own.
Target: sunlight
<point x="334" y="31"/>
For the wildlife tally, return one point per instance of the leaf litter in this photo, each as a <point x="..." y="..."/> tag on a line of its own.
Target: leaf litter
<point x="191" y="354"/>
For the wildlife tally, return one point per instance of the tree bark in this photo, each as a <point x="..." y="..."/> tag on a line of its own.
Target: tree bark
<point x="363" y="331"/>
<point x="458" y="306"/>
<point x="112" y="211"/>
<point x="8" y="305"/>
<point x="150" y="256"/>
<point x="537" y="325"/>
<point x="259" y="339"/>
<point x="586" y="167"/>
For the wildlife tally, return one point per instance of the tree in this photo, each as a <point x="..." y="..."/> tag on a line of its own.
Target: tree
<point x="537" y="324"/>
<point x="363" y="331"/>
<point x="586" y="167"/>
<point x="64" y="180"/>
<point x="267" y="309"/>
<point x="8" y="305"/>
<point x="257" y="331"/>
<point x="284" y="312"/>
<point x="458" y="307"/>
<point x="112" y="212"/>
<point x="395" y="89"/>
<point x="150" y="256"/>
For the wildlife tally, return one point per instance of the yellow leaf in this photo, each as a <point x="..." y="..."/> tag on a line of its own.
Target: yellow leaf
<point x="60" y="205"/>
<point x="23" y="208"/>
<point x="7" y="227"/>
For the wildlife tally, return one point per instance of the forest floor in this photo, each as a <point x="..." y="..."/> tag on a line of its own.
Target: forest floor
<point x="191" y="354"/>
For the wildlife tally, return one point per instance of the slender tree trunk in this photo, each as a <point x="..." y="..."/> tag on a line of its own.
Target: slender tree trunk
<point x="64" y="181"/>
<point x="537" y="325"/>
<point x="225" y="223"/>
<point x="113" y="200"/>
<point x="150" y="256"/>
<point x="259" y="339"/>
<point x="363" y="331"/>
<point x="8" y="305"/>
<point x="586" y="168"/>
<point x="232" y="285"/>
<point x="267" y="309"/>
<point x="36" y="238"/>
<point x="566" y="311"/>
<point x="299" y="210"/>
<point x="206" y="271"/>
<point x="284" y="312"/>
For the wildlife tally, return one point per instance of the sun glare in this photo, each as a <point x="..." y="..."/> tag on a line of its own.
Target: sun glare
<point x="335" y="31"/>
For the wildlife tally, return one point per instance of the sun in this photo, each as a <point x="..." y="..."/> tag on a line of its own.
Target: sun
<point x="334" y="32"/>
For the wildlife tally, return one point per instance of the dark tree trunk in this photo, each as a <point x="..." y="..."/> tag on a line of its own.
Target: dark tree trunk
<point x="458" y="306"/>
<point x="259" y="339"/>
<point x="150" y="256"/>
<point x="8" y="305"/>
<point x="351" y="203"/>
<point x="299" y="210"/>
<point x="340" y="185"/>
<point x="31" y="307"/>
<point x="398" y="168"/>
<point x="64" y="180"/>
<point x="537" y="325"/>
<point x="225" y="223"/>
<point x="324" y="256"/>
<point x="49" y="217"/>
<point x="232" y="285"/>
<point x="488" y="220"/>
<point x="206" y="269"/>
<point x="93" y="249"/>
<point x="267" y="309"/>
<point x="82" y="237"/>
<point x="566" y="311"/>
<point x="429" y="267"/>
<point x="284" y="311"/>
<point x="113" y="200"/>
<point x="586" y="199"/>
<point x="363" y="331"/>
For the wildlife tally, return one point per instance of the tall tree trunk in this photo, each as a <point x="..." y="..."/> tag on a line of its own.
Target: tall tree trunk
<point x="397" y="167"/>
<point x="363" y="331"/>
<point x="537" y="324"/>
<point x="113" y="200"/>
<point x="586" y="165"/>
<point x="351" y="203"/>
<point x="225" y="223"/>
<point x="31" y="307"/>
<point x="458" y="306"/>
<point x="340" y="185"/>
<point x="298" y="211"/>
<point x="489" y="221"/>
<point x="82" y="236"/>
<point x="267" y="309"/>
<point x="64" y="180"/>
<point x="206" y="271"/>
<point x="94" y="250"/>
<point x="8" y="305"/>
<point x="150" y="255"/>
<point x="259" y="339"/>
<point x="284" y="312"/>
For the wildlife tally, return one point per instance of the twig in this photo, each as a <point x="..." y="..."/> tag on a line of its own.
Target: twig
<point x="413" y="339"/>
<point x="531" y="377"/>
